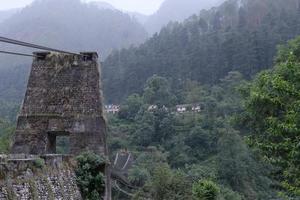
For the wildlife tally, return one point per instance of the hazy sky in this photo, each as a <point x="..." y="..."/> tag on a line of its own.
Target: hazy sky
<point x="143" y="6"/>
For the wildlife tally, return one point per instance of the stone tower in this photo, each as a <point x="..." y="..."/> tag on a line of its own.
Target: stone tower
<point x="63" y="98"/>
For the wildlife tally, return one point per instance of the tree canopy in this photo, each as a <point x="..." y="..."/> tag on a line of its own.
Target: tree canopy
<point x="273" y="115"/>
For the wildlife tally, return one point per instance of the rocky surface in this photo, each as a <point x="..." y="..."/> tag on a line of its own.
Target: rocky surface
<point x="63" y="98"/>
<point x="37" y="178"/>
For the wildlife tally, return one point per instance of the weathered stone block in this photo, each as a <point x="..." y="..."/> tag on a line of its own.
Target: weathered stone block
<point x="63" y="98"/>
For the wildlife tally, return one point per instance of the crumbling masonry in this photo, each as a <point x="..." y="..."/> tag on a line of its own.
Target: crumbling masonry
<point x="63" y="98"/>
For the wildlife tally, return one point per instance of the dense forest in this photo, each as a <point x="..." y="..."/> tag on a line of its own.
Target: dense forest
<point x="239" y="62"/>
<point x="244" y="143"/>
<point x="237" y="36"/>
<point x="168" y="11"/>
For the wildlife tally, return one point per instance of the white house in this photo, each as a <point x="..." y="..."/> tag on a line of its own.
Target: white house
<point x="113" y="109"/>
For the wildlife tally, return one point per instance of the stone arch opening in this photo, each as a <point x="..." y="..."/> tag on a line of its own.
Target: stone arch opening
<point x="58" y="142"/>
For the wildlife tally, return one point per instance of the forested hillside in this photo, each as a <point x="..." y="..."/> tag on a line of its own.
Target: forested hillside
<point x="174" y="150"/>
<point x="237" y="36"/>
<point x="243" y="144"/>
<point x="232" y="69"/>
<point x="72" y="25"/>
<point x="177" y="10"/>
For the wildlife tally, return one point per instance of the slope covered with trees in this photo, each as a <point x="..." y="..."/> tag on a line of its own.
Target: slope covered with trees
<point x="174" y="151"/>
<point x="244" y="144"/>
<point x="73" y="25"/>
<point x="237" y="36"/>
<point x="272" y="115"/>
<point x="177" y="10"/>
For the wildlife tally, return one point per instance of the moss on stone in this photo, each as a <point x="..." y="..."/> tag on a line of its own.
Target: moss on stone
<point x="49" y="189"/>
<point x="33" y="189"/>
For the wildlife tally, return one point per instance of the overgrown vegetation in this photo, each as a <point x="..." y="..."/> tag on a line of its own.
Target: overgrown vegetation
<point x="242" y="145"/>
<point x="205" y="190"/>
<point x="89" y="175"/>
<point x="273" y="116"/>
<point x="175" y="150"/>
<point x="237" y="36"/>
<point x="6" y="132"/>
<point x="172" y="148"/>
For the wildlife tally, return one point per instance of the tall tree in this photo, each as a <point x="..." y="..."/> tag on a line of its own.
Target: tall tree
<point x="273" y="115"/>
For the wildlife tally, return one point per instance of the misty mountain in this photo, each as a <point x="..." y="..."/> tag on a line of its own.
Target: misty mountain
<point x="74" y="26"/>
<point x="177" y="10"/>
<point x="62" y="24"/>
<point x="5" y="14"/>
<point x="239" y="35"/>
<point x="102" y="5"/>
<point x="141" y="18"/>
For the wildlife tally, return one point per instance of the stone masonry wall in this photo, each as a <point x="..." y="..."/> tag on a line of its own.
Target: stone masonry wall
<point x="37" y="178"/>
<point x="63" y="98"/>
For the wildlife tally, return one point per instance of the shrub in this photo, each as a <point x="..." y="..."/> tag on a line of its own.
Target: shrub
<point x="39" y="163"/>
<point x="205" y="190"/>
<point x="89" y="175"/>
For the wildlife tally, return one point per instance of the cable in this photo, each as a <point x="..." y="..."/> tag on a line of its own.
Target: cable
<point x="26" y="44"/>
<point x="121" y="190"/>
<point x="18" y="54"/>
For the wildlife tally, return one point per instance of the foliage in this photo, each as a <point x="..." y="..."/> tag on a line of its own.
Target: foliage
<point x="228" y="194"/>
<point x="157" y="91"/>
<point x="232" y="37"/>
<point x="202" y="60"/>
<point x="166" y="185"/>
<point x="205" y="190"/>
<point x="6" y="132"/>
<point x="131" y="107"/>
<point x="198" y="146"/>
<point x="273" y="115"/>
<point x="237" y="165"/>
<point x="89" y="175"/>
<point x="145" y="164"/>
<point x="39" y="163"/>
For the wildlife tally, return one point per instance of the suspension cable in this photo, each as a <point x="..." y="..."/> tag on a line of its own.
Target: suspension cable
<point x="27" y="44"/>
<point x="18" y="54"/>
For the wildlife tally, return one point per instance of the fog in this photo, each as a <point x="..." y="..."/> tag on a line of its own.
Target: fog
<point x="142" y="6"/>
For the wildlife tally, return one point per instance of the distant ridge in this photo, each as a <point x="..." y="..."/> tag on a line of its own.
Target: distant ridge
<point x="177" y="10"/>
<point x="102" y="5"/>
<point x="239" y="35"/>
<point x="74" y="26"/>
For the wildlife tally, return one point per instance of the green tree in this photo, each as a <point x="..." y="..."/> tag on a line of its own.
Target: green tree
<point x="205" y="190"/>
<point x="193" y="92"/>
<point x="131" y="107"/>
<point x="238" y="168"/>
<point x="273" y="115"/>
<point x="157" y="91"/>
<point x="89" y="175"/>
<point x="166" y="185"/>
<point x="145" y="164"/>
<point x="154" y="127"/>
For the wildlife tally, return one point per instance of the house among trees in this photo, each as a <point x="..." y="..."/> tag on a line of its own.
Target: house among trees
<point x="188" y="108"/>
<point x="112" y="109"/>
<point x="152" y="107"/>
<point x="180" y="108"/>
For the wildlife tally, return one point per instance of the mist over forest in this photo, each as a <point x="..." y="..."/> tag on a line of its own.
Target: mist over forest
<point x="203" y="95"/>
